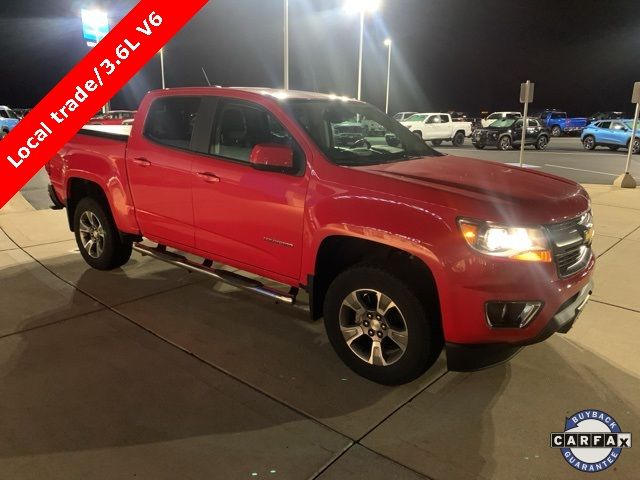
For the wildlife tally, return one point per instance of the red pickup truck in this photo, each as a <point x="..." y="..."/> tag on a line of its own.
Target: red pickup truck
<point x="401" y="249"/>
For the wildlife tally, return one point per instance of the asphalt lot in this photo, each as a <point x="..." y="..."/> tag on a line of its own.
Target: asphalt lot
<point x="564" y="157"/>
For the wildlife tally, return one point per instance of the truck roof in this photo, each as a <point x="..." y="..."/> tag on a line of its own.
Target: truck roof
<point x="271" y="92"/>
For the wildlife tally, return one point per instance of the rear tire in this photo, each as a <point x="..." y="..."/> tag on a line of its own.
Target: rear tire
<point x="436" y="143"/>
<point x="458" y="139"/>
<point x="636" y="146"/>
<point x="378" y="326"/>
<point x="589" y="142"/>
<point x="97" y="236"/>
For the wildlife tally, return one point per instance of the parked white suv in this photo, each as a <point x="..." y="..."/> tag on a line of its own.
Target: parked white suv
<point x="499" y="116"/>
<point x="438" y="127"/>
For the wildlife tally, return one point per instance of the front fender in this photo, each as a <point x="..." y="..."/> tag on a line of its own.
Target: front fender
<point x="419" y="230"/>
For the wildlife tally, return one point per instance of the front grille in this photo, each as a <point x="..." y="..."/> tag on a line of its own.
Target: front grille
<point x="571" y="244"/>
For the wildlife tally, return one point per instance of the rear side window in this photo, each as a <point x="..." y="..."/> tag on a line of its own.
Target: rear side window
<point x="171" y="120"/>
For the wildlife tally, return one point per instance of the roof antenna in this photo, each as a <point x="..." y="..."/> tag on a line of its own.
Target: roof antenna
<point x="205" y="76"/>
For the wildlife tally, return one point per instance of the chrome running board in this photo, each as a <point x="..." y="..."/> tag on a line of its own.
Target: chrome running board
<point x="225" y="276"/>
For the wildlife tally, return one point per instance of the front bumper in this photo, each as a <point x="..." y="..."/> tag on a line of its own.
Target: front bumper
<point x="484" y="138"/>
<point x="469" y="357"/>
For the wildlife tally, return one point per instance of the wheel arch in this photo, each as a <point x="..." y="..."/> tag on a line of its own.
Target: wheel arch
<point x="354" y="250"/>
<point x="79" y="187"/>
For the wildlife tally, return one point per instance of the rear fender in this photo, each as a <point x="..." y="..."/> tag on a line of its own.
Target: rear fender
<point x="109" y="173"/>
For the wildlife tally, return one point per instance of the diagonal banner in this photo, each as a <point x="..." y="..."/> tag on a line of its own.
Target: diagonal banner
<point x="89" y="86"/>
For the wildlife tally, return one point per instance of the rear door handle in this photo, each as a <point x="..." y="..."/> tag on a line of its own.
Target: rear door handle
<point x="143" y="162"/>
<point x="209" y="177"/>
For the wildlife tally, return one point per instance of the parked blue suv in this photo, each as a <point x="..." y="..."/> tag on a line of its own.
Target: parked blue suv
<point x="614" y="134"/>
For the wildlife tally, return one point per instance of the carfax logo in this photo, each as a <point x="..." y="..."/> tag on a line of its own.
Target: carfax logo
<point x="592" y="441"/>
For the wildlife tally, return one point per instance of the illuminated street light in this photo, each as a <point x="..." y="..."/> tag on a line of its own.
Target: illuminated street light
<point x="362" y="7"/>
<point x="95" y="25"/>
<point x="388" y="43"/>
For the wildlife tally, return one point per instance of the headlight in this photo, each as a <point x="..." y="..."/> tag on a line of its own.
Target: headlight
<point x="518" y="243"/>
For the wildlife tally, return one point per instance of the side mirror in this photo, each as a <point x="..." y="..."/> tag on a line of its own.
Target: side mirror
<point x="272" y="157"/>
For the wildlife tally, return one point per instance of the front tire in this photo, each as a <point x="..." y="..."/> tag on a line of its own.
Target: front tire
<point x="97" y="236"/>
<point x="378" y="326"/>
<point x="458" y="139"/>
<point x="589" y="142"/>
<point x="556" y="131"/>
<point x="504" y="143"/>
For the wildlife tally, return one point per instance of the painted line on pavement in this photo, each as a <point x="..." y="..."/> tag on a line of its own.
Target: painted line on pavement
<point x="581" y="170"/>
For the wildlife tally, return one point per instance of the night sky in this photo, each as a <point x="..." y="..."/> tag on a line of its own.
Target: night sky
<point x="468" y="55"/>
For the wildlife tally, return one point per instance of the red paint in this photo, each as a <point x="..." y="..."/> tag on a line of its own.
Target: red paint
<point x="232" y="212"/>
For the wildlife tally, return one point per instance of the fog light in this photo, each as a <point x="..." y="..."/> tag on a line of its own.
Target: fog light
<point x="511" y="314"/>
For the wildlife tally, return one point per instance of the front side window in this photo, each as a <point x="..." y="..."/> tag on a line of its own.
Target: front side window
<point x="241" y="126"/>
<point x="354" y="133"/>
<point x="171" y="120"/>
<point x="434" y="119"/>
<point x="605" y="124"/>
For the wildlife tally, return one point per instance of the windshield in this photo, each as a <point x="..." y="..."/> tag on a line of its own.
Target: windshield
<point x="8" y="113"/>
<point x="416" y="118"/>
<point x="503" y="122"/>
<point x="353" y="133"/>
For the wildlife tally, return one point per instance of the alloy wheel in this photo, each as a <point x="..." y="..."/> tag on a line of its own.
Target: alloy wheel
<point x="373" y="327"/>
<point x="92" y="234"/>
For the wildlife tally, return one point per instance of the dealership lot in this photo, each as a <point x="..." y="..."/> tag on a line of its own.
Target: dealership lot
<point x="564" y="156"/>
<point x="160" y="373"/>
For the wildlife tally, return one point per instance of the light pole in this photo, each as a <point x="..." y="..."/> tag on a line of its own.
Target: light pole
<point x="389" y="44"/>
<point x="286" y="44"/>
<point x="95" y="26"/>
<point x="362" y="7"/>
<point x="164" y="85"/>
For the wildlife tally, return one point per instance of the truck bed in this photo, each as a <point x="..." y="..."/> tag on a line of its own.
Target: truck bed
<point x="112" y="132"/>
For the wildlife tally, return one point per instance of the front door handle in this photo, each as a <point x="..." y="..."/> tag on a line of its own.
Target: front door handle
<point x="209" y="177"/>
<point x="143" y="162"/>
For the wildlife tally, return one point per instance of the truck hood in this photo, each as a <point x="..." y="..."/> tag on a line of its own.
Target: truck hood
<point x="487" y="190"/>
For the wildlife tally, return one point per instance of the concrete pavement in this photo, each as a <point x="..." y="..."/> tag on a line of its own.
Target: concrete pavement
<point x="149" y="372"/>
